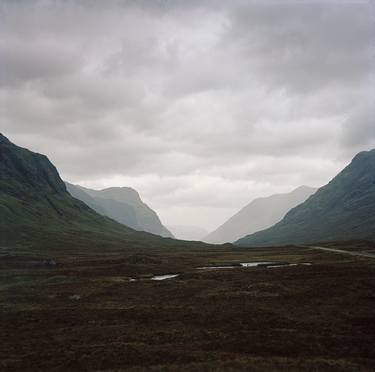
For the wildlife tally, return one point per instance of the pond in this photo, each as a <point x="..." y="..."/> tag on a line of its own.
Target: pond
<point x="164" y="277"/>
<point x="155" y="277"/>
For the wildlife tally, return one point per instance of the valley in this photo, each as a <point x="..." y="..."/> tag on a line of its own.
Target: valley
<point x="187" y="186"/>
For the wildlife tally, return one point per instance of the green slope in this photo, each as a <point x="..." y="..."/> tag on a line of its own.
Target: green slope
<point x="343" y="209"/>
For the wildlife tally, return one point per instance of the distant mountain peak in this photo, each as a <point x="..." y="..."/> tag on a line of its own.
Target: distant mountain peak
<point x="259" y="214"/>
<point x="304" y="187"/>
<point x="124" y="205"/>
<point x="122" y="191"/>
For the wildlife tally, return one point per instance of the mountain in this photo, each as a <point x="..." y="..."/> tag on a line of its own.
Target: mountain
<point x="344" y="209"/>
<point x="124" y="205"/>
<point x="258" y="215"/>
<point x="36" y="207"/>
<point x="79" y="194"/>
<point x="187" y="232"/>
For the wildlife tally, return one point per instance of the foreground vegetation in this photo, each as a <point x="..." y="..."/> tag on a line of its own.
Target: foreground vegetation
<point x="76" y="309"/>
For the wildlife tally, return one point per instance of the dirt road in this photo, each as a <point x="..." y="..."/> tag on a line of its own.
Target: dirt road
<point x="351" y="253"/>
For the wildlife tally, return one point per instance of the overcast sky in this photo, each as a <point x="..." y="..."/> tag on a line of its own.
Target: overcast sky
<point x="199" y="105"/>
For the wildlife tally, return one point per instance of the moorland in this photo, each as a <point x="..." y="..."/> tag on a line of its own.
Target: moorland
<point x="99" y="310"/>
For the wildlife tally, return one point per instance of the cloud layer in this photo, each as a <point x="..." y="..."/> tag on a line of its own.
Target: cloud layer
<point x="200" y="105"/>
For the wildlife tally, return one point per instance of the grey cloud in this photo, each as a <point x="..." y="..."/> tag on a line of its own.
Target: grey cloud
<point x="179" y="98"/>
<point x="22" y="62"/>
<point x="308" y="46"/>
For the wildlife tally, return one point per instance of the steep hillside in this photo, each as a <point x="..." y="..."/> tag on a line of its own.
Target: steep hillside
<point x="35" y="206"/>
<point x="120" y="212"/>
<point x="344" y="209"/>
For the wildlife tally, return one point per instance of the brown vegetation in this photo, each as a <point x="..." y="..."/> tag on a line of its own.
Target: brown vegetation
<point x="81" y="312"/>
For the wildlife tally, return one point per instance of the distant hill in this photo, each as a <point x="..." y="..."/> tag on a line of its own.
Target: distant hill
<point x="187" y="232"/>
<point x="124" y="205"/>
<point x="36" y="207"/>
<point x="344" y="209"/>
<point x="258" y="215"/>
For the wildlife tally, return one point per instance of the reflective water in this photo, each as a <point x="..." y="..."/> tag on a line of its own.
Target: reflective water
<point x="265" y="264"/>
<point x="234" y="266"/>
<point x="255" y="264"/>
<point x="155" y="277"/>
<point x="288" y="265"/>
<point x="217" y="267"/>
<point x="165" y="276"/>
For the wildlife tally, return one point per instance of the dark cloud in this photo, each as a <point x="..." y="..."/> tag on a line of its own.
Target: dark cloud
<point x="200" y="105"/>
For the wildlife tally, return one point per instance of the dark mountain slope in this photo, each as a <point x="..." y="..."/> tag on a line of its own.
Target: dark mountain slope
<point x="343" y="209"/>
<point x="24" y="171"/>
<point x="35" y="205"/>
